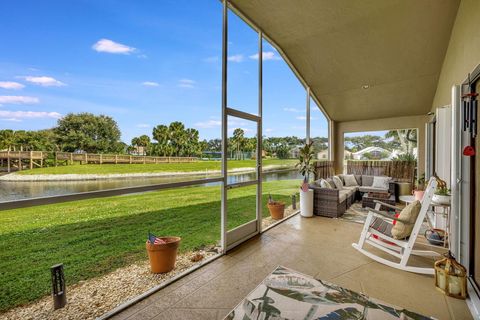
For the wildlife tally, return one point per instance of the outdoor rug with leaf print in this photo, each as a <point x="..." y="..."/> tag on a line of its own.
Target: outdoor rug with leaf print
<point x="287" y="294"/>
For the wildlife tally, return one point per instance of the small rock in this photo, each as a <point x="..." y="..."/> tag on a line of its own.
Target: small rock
<point x="196" y="257"/>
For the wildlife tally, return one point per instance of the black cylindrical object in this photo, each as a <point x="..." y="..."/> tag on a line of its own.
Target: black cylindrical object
<point x="58" y="286"/>
<point x="294" y="202"/>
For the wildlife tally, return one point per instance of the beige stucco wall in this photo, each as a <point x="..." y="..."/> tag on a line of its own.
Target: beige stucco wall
<point x="463" y="53"/>
<point x="340" y="128"/>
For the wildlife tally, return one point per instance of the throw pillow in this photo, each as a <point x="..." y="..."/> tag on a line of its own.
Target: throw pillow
<point x="410" y="213"/>
<point x="350" y="180"/>
<point x="318" y="182"/>
<point x="381" y="182"/>
<point x="338" y="182"/>
<point x="325" y="184"/>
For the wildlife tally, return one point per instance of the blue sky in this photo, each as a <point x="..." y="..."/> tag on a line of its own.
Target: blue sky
<point x="143" y="63"/>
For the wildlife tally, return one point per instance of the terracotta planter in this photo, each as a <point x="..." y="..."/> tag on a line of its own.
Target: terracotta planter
<point x="418" y="194"/>
<point x="276" y="209"/>
<point x="162" y="256"/>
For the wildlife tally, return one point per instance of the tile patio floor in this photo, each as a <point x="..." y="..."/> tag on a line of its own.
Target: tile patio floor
<point x="316" y="246"/>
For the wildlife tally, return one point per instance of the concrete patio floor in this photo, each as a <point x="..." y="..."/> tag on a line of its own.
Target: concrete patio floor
<point x="317" y="246"/>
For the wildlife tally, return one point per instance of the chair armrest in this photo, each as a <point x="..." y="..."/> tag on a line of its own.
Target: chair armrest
<point x="388" y="215"/>
<point x="387" y="205"/>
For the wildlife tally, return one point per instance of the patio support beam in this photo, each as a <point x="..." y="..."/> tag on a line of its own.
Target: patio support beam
<point x="307" y="117"/>
<point x="259" y="132"/>
<point x="223" y="213"/>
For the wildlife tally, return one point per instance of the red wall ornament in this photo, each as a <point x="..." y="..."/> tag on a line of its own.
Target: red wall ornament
<point x="468" y="151"/>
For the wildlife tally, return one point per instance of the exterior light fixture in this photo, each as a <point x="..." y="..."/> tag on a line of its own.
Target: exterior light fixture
<point x="366" y="86"/>
<point x="58" y="286"/>
<point x="451" y="277"/>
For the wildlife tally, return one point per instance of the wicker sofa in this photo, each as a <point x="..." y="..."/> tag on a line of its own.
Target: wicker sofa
<point x="334" y="202"/>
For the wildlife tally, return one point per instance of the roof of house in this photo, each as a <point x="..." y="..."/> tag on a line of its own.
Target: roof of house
<point x="370" y="149"/>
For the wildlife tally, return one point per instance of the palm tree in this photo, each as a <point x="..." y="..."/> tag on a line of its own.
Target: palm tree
<point x="238" y="141"/>
<point x="161" y="134"/>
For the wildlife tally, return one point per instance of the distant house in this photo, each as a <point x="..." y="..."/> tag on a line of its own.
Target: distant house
<point x="295" y="151"/>
<point x="138" y="151"/>
<point x="322" y="155"/>
<point x="347" y="154"/>
<point x="373" y="153"/>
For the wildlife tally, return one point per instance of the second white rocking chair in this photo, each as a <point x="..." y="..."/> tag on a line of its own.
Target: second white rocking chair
<point x="381" y="238"/>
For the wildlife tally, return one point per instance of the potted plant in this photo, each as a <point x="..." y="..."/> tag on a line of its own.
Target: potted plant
<point x="420" y="188"/>
<point x="305" y="167"/>
<point x="162" y="252"/>
<point x="441" y="195"/>
<point x="276" y="208"/>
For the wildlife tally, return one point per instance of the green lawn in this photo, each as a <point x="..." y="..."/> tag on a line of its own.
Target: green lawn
<point x="161" y="167"/>
<point x="93" y="237"/>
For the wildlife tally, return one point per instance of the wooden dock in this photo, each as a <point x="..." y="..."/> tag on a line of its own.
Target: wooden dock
<point x="21" y="160"/>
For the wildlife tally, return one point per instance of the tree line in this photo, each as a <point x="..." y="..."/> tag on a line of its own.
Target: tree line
<point x="86" y="132"/>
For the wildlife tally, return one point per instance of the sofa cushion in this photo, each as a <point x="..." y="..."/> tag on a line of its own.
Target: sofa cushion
<point x="325" y="184"/>
<point x="338" y="182"/>
<point x="367" y="181"/>
<point x="381" y="182"/>
<point x="410" y="213"/>
<point x="343" y="195"/>
<point x="371" y="189"/>
<point x="350" y="180"/>
<point x="330" y="180"/>
<point x="359" y="178"/>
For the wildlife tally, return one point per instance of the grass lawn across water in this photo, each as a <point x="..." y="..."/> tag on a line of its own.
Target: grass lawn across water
<point x="93" y="237"/>
<point x="161" y="167"/>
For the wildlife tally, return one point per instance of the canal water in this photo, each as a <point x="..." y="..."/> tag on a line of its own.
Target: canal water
<point x="16" y="190"/>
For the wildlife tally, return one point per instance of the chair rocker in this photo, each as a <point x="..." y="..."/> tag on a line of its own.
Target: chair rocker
<point x="377" y="233"/>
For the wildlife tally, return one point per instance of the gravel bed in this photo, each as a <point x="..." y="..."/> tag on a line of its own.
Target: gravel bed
<point x="92" y="298"/>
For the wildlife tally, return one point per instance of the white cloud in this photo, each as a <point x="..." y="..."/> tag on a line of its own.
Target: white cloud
<point x="150" y="84"/>
<point x="44" y="81"/>
<point x="186" y="83"/>
<point x="293" y="110"/>
<point x="143" y="125"/>
<point x="266" y="55"/>
<point x="11" y="85"/>
<point x="305" y="118"/>
<point x="236" y="58"/>
<point x="215" y="122"/>
<point x="268" y="130"/>
<point x="11" y="119"/>
<point x="19" y="115"/>
<point x="109" y="46"/>
<point x="18" y="100"/>
<point x="208" y="124"/>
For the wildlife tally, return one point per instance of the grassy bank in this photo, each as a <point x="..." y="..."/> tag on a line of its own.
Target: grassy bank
<point x="151" y="168"/>
<point x="93" y="237"/>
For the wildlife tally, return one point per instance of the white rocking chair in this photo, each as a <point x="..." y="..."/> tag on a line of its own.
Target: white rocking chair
<point x="380" y="224"/>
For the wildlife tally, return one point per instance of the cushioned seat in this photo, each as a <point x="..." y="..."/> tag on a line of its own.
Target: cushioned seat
<point x="343" y="194"/>
<point x="372" y="189"/>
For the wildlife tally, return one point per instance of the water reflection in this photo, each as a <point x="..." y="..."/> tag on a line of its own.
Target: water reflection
<point x="23" y="190"/>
